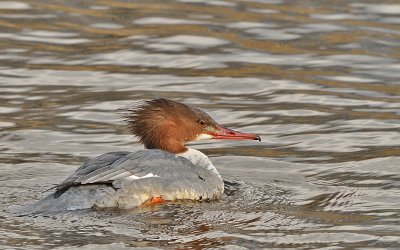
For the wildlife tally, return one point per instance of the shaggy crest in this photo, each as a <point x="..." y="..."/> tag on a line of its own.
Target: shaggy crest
<point x="167" y="125"/>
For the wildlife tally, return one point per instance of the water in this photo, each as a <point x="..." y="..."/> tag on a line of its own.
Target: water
<point x="318" y="80"/>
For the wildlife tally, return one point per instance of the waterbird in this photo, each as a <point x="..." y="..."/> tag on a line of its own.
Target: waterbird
<point x="166" y="170"/>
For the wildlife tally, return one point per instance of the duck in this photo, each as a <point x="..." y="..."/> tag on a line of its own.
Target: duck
<point x="166" y="170"/>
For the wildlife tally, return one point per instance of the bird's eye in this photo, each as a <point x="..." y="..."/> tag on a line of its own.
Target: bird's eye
<point x="201" y="122"/>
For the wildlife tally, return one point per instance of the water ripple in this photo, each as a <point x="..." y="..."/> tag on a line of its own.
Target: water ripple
<point x="317" y="81"/>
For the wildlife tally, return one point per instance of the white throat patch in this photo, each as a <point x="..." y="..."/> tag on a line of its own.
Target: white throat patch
<point x="203" y="137"/>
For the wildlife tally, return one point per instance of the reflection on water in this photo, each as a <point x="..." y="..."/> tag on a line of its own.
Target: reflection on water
<point x="318" y="80"/>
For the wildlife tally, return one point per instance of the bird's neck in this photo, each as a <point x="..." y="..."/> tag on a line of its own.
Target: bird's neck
<point x="200" y="160"/>
<point x="171" y="145"/>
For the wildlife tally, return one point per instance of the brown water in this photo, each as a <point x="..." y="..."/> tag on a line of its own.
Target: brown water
<point x="318" y="80"/>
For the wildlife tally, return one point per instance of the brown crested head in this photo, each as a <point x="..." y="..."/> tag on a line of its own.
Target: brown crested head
<point x="169" y="125"/>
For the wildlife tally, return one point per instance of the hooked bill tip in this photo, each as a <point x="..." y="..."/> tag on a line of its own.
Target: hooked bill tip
<point x="258" y="138"/>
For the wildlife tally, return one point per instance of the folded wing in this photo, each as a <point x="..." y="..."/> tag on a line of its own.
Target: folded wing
<point x="107" y="168"/>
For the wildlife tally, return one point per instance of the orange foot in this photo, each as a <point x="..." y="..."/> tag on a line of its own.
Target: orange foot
<point x="154" y="200"/>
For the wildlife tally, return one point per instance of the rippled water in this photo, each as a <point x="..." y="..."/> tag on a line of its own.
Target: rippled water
<point x="318" y="80"/>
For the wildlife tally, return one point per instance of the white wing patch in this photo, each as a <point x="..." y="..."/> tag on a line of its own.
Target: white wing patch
<point x="134" y="177"/>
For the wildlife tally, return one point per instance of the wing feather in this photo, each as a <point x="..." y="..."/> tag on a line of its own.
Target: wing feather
<point x="104" y="176"/>
<point x="98" y="162"/>
<point x="140" y="163"/>
<point x="144" y="163"/>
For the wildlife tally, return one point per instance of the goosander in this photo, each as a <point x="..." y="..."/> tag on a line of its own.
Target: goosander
<point x="166" y="170"/>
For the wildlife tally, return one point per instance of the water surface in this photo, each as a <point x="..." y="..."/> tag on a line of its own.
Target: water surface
<point x="318" y="80"/>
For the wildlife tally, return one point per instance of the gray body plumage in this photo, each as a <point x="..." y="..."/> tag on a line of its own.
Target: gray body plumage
<point x="126" y="180"/>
